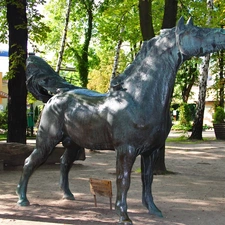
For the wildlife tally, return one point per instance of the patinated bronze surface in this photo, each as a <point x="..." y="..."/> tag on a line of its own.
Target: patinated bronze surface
<point x="132" y="119"/>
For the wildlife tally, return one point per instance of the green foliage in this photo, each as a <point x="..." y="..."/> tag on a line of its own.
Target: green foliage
<point x="99" y="79"/>
<point x="36" y="113"/>
<point x="78" y="52"/>
<point x="4" y="120"/>
<point x="30" y="98"/>
<point x="185" y="117"/>
<point x="181" y="127"/>
<point x="185" y="114"/>
<point x="36" y="28"/>
<point x="187" y="76"/>
<point x="71" y="77"/>
<point x="116" y="17"/>
<point x="3" y="23"/>
<point x="181" y="138"/>
<point x="217" y="71"/>
<point x="3" y="136"/>
<point x="219" y="115"/>
<point x="110" y="17"/>
<point x="17" y="60"/>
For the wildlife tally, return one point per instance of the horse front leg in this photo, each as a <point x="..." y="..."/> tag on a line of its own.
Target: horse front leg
<point x="124" y="162"/>
<point x="147" y="167"/>
<point x="72" y="153"/>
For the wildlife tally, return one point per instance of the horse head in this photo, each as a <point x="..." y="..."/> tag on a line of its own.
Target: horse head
<point x="195" y="41"/>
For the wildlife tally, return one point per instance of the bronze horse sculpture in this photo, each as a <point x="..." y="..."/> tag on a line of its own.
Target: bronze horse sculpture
<point x="133" y="118"/>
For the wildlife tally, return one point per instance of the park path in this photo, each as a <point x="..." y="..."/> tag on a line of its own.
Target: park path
<point x="193" y="195"/>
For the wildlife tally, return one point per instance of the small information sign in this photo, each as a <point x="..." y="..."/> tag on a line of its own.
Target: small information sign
<point x="101" y="187"/>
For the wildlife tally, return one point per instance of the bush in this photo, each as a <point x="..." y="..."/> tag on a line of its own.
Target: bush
<point x="185" y="115"/>
<point x="219" y="115"/>
<point x="4" y="120"/>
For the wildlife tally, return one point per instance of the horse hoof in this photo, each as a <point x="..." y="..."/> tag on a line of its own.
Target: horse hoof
<point x="125" y="221"/>
<point x="23" y="202"/>
<point x="69" y="197"/>
<point x="157" y="213"/>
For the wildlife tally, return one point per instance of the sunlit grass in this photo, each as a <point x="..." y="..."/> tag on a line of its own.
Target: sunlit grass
<point x="185" y="139"/>
<point x="3" y="137"/>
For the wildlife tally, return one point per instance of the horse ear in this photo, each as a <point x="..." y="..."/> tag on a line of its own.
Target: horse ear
<point x="190" y="22"/>
<point x="180" y="25"/>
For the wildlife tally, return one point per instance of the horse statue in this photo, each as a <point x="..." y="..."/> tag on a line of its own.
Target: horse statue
<point x="133" y="118"/>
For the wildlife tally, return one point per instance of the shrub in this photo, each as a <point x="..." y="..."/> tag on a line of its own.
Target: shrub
<point x="185" y="115"/>
<point x="219" y="115"/>
<point x="4" y="120"/>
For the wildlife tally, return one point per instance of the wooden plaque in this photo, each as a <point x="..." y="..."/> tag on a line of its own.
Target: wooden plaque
<point x="101" y="187"/>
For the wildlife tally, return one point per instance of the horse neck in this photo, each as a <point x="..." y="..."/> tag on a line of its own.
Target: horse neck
<point x="153" y="78"/>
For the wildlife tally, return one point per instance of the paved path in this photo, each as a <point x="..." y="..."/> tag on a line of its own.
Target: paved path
<point x="194" y="195"/>
<point x="205" y="134"/>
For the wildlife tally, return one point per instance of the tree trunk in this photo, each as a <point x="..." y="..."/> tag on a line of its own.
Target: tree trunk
<point x="221" y="78"/>
<point x="189" y="80"/>
<point x="170" y="14"/>
<point x="145" y="15"/>
<point x="17" y="92"/>
<point x="62" y="47"/>
<point x="116" y="59"/>
<point x="83" y="66"/>
<point x="169" y="21"/>
<point x="198" y="122"/>
<point x="160" y="166"/>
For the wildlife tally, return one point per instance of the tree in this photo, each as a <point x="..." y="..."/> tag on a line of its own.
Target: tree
<point x="145" y="15"/>
<point x="221" y="78"/>
<point x="186" y="77"/>
<point x="62" y="47"/>
<point x="119" y="21"/>
<point x="219" y="81"/>
<point x="17" y="92"/>
<point x="116" y="59"/>
<point x="198" y="121"/>
<point x="16" y="19"/>
<point x="170" y="14"/>
<point x="169" y="21"/>
<point x="77" y="51"/>
<point x="82" y="56"/>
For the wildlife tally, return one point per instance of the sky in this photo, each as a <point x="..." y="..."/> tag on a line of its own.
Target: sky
<point x="4" y="62"/>
<point x="3" y="59"/>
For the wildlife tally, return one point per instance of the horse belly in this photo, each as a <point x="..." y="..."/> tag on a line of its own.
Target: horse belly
<point x="90" y="133"/>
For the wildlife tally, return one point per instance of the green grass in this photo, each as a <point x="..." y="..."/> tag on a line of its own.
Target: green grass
<point x="3" y="137"/>
<point x="185" y="140"/>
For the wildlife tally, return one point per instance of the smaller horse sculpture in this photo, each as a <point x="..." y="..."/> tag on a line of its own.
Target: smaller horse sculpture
<point x="132" y="119"/>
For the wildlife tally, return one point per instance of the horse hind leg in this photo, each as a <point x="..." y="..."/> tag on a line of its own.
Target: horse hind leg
<point x="147" y="166"/>
<point x="72" y="153"/>
<point x="44" y="147"/>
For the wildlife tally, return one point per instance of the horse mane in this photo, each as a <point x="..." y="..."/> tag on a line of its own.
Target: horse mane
<point x="117" y="82"/>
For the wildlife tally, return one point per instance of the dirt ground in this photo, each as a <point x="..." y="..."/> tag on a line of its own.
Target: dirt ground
<point x="194" y="195"/>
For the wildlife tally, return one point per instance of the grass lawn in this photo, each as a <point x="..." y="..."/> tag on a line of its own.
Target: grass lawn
<point x="3" y="137"/>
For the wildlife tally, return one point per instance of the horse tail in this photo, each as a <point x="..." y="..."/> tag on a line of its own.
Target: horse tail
<point x="42" y="81"/>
